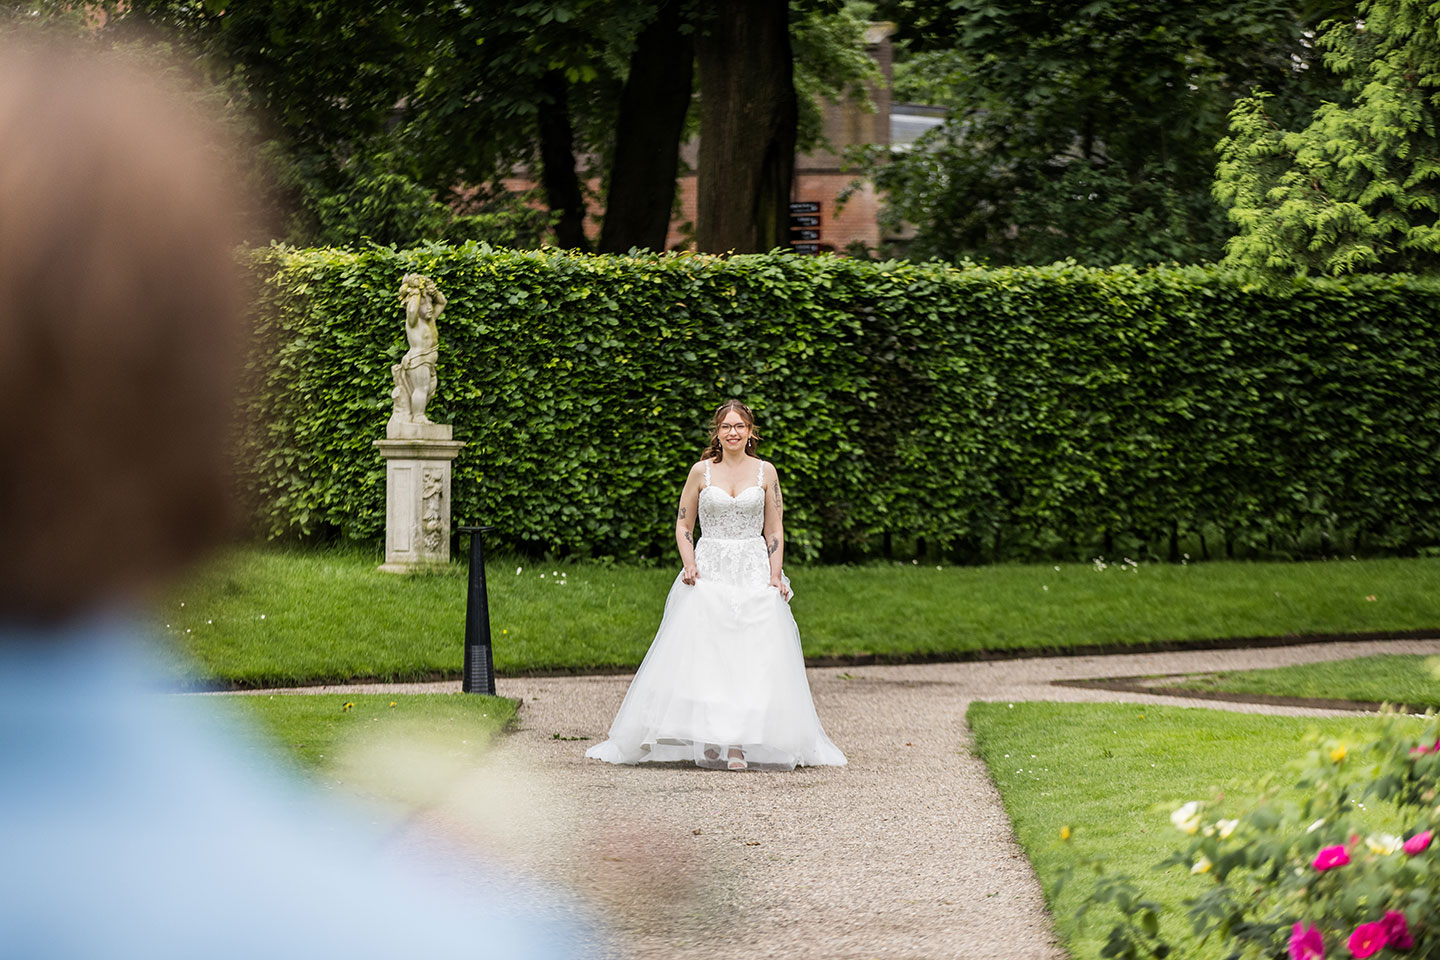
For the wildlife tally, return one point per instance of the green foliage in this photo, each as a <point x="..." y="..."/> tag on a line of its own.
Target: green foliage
<point x="1281" y="868"/>
<point x="373" y="197"/>
<point x="972" y="407"/>
<point x="1358" y="187"/>
<point x="831" y="64"/>
<point x="1082" y="130"/>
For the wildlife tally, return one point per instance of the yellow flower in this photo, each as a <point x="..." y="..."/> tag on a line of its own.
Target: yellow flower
<point x="1187" y="818"/>
<point x="392" y="703"/>
<point x="1202" y="865"/>
<point x="504" y="631"/>
<point x="1338" y="753"/>
<point x="1383" y="844"/>
<point x="1064" y="833"/>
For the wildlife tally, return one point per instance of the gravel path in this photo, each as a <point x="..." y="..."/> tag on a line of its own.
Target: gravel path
<point x="905" y="853"/>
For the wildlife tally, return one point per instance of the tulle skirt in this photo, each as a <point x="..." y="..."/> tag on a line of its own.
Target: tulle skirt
<point x="724" y="670"/>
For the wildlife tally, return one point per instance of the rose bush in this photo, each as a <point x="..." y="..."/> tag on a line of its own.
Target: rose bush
<point x="1295" y="878"/>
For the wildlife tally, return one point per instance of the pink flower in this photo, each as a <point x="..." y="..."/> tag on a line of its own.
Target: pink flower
<point x="1397" y="931"/>
<point x="1306" y="944"/>
<point x="1329" y="857"/>
<point x="1367" y="939"/>
<point x="1417" y="843"/>
<point x="1424" y="749"/>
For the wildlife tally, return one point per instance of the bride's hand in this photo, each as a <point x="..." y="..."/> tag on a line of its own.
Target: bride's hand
<point x="689" y="574"/>
<point x="778" y="583"/>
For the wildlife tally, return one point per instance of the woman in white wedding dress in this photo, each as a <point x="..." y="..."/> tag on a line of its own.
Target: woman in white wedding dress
<point x="723" y="683"/>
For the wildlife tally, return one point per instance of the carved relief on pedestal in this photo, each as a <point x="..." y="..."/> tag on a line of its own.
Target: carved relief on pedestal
<point x="432" y="510"/>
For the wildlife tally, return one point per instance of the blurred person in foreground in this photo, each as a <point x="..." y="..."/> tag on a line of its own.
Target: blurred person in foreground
<point x="133" y="823"/>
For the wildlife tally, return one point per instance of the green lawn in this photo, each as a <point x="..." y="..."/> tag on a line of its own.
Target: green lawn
<point x="1113" y="773"/>
<point x="263" y="616"/>
<point x="1391" y="678"/>
<point x="314" y="729"/>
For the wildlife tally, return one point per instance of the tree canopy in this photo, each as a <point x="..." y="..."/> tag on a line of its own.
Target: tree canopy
<point x="403" y="120"/>
<point x="1081" y="128"/>
<point x="1357" y="187"/>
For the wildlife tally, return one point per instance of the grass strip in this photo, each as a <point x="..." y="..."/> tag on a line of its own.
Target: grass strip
<point x="1113" y="773"/>
<point x="262" y="616"/>
<point x="1386" y="678"/>
<point x="312" y="729"/>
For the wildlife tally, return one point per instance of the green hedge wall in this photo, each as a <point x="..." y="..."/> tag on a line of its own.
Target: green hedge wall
<point x="991" y="412"/>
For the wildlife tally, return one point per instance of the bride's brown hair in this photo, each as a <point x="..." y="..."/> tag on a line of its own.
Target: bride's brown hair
<point x="715" y="451"/>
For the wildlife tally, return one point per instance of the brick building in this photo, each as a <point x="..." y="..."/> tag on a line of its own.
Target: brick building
<point x="819" y="176"/>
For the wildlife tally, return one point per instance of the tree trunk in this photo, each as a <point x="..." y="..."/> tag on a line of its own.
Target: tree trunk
<point x="557" y="162"/>
<point x="748" y="114"/>
<point x="647" y="136"/>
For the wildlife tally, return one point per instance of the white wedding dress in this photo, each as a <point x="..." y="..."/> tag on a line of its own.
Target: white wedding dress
<point x="725" y="668"/>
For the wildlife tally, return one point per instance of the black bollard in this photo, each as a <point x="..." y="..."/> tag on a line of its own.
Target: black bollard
<point x="479" y="660"/>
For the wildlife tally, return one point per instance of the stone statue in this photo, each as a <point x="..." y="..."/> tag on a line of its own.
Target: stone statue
<point x="417" y="452"/>
<point x="415" y="373"/>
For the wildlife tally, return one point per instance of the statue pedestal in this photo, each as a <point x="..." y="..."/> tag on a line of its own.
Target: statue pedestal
<point x="417" y="497"/>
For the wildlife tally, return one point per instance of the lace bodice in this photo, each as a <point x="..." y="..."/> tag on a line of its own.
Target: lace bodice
<point x="732" y="518"/>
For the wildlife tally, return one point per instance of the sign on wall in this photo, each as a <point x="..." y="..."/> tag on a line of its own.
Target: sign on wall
<point x="805" y="226"/>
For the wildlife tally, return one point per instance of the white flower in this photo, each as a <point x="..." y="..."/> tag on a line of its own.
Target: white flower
<point x="1202" y="865"/>
<point x="517" y="570"/>
<point x="1383" y="843"/>
<point x="1057" y="569"/>
<point x="1044" y="587"/>
<point x="1187" y="818"/>
<point x="1226" y="827"/>
<point x="1315" y="826"/>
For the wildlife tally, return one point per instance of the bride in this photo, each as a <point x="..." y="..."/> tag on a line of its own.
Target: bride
<point x="723" y="683"/>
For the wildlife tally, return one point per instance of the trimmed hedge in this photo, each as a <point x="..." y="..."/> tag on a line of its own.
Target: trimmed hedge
<point x="991" y="412"/>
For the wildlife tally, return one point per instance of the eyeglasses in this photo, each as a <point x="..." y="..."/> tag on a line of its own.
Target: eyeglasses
<point x="733" y="427"/>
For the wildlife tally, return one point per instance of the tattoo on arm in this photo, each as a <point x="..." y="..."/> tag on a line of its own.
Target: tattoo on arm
<point x="773" y="546"/>
<point x="682" y="513"/>
<point x="779" y="500"/>
<point x="689" y="539"/>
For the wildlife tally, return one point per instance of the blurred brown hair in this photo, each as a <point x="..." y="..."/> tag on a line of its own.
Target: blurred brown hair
<point x="120" y="305"/>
